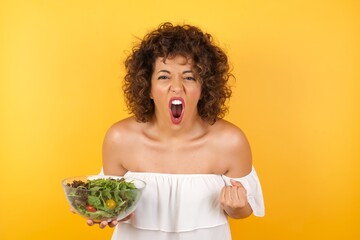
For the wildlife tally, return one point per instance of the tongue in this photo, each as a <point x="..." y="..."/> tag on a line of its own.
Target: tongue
<point x="176" y="110"/>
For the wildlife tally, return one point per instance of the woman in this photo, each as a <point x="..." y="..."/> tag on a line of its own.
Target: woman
<point x="197" y="166"/>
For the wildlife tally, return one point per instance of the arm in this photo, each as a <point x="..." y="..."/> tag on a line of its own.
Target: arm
<point x="112" y="152"/>
<point x="233" y="198"/>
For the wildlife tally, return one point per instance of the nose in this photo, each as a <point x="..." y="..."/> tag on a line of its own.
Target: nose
<point x="176" y="85"/>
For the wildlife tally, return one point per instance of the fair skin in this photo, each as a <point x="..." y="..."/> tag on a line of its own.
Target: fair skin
<point x="182" y="144"/>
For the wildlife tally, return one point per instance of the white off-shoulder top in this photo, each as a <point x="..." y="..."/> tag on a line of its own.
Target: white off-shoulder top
<point x="185" y="206"/>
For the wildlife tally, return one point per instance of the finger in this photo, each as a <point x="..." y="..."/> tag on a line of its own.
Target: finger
<point x="241" y="196"/>
<point x="90" y="222"/>
<point x="226" y="194"/>
<point x="232" y="192"/>
<point x="236" y="194"/>
<point x="242" y="193"/>
<point x="230" y="195"/>
<point x="103" y="224"/>
<point x="113" y="223"/>
<point x="128" y="217"/>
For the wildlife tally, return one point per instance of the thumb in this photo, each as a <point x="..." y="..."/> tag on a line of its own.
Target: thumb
<point x="235" y="183"/>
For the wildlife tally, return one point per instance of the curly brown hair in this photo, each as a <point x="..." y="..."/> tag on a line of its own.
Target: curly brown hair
<point x="210" y="65"/>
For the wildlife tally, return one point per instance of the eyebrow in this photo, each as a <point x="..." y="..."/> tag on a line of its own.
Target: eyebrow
<point x="166" y="71"/>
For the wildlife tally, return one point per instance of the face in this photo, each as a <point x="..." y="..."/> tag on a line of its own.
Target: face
<point x="175" y="90"/>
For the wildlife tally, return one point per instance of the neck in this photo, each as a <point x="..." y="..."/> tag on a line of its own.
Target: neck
<point x="186" y="130"/>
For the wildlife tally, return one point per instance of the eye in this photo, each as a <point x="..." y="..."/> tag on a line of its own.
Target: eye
<point x="190" y="78"/>
<point x="163" y="77"/>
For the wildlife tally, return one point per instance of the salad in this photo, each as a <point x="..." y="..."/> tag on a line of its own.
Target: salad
<point x="103" y="198"/>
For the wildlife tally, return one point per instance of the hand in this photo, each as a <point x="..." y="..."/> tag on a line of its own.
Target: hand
<point x="233" y="200"/>
<point x="111" y="224"/>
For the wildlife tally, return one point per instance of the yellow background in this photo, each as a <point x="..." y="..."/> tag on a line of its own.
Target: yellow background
<point x="297" y="98"/>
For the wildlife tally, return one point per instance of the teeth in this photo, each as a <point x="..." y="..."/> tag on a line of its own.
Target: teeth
<point x="176" y="102"/>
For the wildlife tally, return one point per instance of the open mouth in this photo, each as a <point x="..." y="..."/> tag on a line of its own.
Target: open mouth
<point x="176" y="110"/>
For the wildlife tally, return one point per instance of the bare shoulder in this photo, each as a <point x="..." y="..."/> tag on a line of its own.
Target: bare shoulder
<point x="234" y="147"/>
<point x="117" y="144"/>
<point x="126" y="127"/>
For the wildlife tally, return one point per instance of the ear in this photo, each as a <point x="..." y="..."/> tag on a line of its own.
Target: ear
<point x="150" y="95"/>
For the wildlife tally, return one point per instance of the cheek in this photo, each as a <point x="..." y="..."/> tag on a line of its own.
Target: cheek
<point x="157" y="94"/>
<point x="195" y="93"/>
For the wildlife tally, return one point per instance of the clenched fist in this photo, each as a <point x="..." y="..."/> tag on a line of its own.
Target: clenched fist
<point x="233" y="200"/>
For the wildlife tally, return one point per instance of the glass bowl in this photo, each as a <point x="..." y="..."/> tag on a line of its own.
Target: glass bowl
<point x="103" y="197"/>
